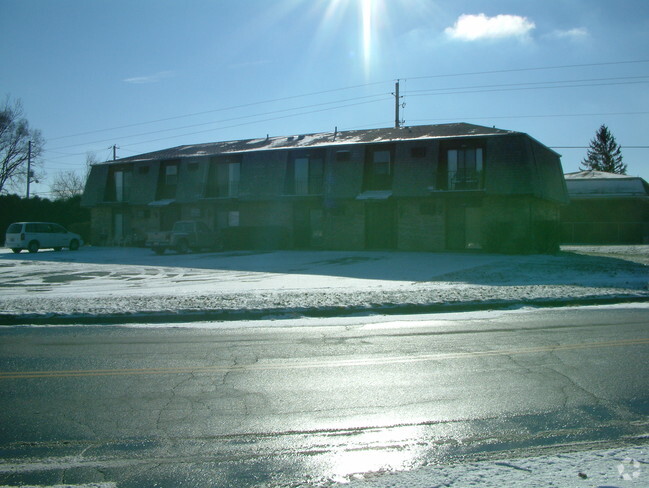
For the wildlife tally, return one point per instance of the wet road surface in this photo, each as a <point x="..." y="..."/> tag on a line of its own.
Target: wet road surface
<point x="314" y="403"/>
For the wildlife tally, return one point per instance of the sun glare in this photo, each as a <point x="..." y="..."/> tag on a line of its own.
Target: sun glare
<point x="366" y="15"/>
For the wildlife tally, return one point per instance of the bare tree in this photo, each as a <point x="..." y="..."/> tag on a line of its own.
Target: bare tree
<point x="67" y="184"/>
<point x="91" y="160"/>
<point x="15" y="138"/>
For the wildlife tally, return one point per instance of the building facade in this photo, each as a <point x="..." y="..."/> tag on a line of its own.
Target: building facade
<point x="605" y="208"/>
<point x="421" y="188"/>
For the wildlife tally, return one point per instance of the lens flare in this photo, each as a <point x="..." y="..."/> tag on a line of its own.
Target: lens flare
<point x="366" y="15"/>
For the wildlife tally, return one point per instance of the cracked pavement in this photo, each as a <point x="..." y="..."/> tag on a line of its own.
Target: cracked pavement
<point x="274" y="404"/>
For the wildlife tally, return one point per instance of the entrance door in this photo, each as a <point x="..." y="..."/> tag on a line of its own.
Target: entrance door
<point x="380" y="226"/>
<point x="463" y="227"/>
<point x="301" y="227"/>
<point x="455" y="228"/>
<point x="169" y="215"/>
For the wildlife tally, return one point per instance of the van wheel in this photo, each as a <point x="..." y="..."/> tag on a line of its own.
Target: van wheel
<point x="74" y="245"/>
<point x="16" y="249"/>
<point x="33" y="246"/>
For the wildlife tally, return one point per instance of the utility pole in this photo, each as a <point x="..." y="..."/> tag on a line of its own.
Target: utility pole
<point x="397" y="105"/>
<point x="397" y="120"/>
<point x="114" y="152"/>
<point x="29" y="166"/>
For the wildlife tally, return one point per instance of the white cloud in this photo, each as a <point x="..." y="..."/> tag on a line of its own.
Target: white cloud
<point x="475" y="27"/>
<point x="574" y="34"/>
<point x="154" y="78"/>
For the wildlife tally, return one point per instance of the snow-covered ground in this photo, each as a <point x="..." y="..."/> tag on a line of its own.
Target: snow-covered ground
<point x="626" y="467"/>
<point x="115" y="281"/>
<point x="603" y="468"/>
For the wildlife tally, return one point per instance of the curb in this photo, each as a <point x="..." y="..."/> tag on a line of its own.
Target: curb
<point x="181" y="316"/>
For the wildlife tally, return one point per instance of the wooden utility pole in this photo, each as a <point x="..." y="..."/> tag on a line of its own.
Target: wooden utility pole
<point x="397" y="103"/>
<point x="29" y="166"/>
<point x="114" y="152"/>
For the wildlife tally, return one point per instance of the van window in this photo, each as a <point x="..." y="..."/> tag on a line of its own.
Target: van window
<point x="15" y="229"/>
<point x="31" y="228"/>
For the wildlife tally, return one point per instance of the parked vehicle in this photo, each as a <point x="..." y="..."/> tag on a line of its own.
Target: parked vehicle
<point x="185" y="235"/>
<point x="40" y="235"/>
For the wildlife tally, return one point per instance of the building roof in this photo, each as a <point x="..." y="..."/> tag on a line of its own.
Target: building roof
<point x="323" y="139"/>
<point x="598" y="184"/>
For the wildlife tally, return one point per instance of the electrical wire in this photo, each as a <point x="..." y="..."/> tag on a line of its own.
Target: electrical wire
<point x="351" y="87"/>
<point x="541" y="68"/>
<point x="229" y="120"/>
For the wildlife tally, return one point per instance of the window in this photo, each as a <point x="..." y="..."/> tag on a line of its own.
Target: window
<point x="464" y="168"/>
<point x="119" y="185"/>
<point x="224" y="177"/>
<point x="168" y="181"/>
<point x="378" y="168"/>
<point x="171" y="175"/>
<point x="234" y="177"/>
<point x="233" y="218"/>
<point x="304" y="173"/>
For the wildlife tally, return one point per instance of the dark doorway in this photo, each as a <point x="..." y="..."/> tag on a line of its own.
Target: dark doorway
<point x="380" y="226"/>
<point x="301" y="227"/>
<point x="455" y="227"/>
<point x="169" y="215"/>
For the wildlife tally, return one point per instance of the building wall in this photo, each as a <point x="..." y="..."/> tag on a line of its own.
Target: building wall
<point x="344" y="226"/>
<point x="421" y="225"/>
<point x="515" y="211"/>
<point x="520" y="224"/>
<point x="606" y="221"/>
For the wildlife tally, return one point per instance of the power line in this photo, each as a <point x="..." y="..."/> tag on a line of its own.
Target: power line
<point x="232" y="119"/>
<point x="541" y="68"/>
<point x="292" y="97"/>
<point x="534" y="84"/>
<point x="234" y="107"/>
<point x="254" y="122"/>
<point x="461" y="91"/>
<point x="436" y="91"/>
<point x="541" y="116"/>
<point x="588" y="147"/>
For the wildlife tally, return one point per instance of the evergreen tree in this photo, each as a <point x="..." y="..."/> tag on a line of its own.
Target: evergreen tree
<point x="604" y="154"/>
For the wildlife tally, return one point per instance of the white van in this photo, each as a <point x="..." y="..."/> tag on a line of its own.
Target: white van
<point x="40" y="235"/>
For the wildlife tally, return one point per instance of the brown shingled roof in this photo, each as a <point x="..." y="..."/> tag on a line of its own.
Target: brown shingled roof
<point x="322" y="139"/>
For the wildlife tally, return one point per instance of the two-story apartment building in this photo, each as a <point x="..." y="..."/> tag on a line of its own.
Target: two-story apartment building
<point x="424" y="188"/>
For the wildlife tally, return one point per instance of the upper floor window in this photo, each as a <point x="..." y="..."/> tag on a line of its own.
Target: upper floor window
<point x="379" y="166"/>
<point x="304" y="173"/>
<point x="224" y="177"/>
<point x="461" y="167"/>
<point x="168" y="181"/>
<point x="465" y="169"/>
<point x="119" y="185"/>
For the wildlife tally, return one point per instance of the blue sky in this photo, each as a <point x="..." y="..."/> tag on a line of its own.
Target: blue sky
<point x="150" y="74"/>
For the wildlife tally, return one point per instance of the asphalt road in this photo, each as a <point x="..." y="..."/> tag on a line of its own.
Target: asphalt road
<point x="299" y="405"/>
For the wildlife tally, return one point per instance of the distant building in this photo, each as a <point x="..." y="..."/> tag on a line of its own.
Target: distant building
<point x="605" y="208"/>
<point x="423" y="188"/>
